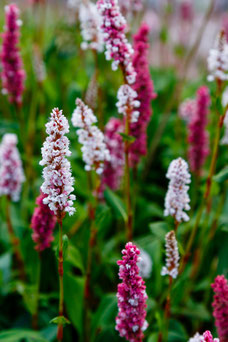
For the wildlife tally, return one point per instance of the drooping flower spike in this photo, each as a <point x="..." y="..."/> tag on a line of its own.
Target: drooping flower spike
<point x="11" y="171"/>
<point x="127" y="103"/>
<point x="90" y="21"/>
<point x="43" y="223"/>
<point x="172" y="256"/>
<point x="114" y="29"/>
<point x="13" y="74"/>
<point x="94" y="149"/>
<point x="132" y="296"/>
<point x="177" y="198"/>
<point x="197" y="134"/>
<point x="220" y="306"/>
<point x="144" y="88"/>
<point x="58" y="182"/>
<point x="113" y="168"/>
<point x="218" y="60"/>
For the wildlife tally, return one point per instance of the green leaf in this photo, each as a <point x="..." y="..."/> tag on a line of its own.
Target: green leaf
<point x="74" y="257"/>
<point x="116" y="204"/>
<point x="126" y="137"/>
<point x="222" y="176"/>
<point x="19" y="335"/>
<point x="60" y="320"/>
<point x="159" y="229"/>
<point x="73" y="294"/>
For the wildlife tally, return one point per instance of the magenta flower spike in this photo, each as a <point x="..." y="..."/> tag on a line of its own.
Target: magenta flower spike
<point x="114" y="28"/>
<point x="43" y="223"/>
<point x="197" y="136"/>
<point x="13" y="74"/>
<point x="220" y="306"/>
<point x="132" y="296"/>
<point x="114" y="168"/>
<point x="11" y="171"/>
<point x="144" y="88"/>
<point x="207" y="337"/>
<point x="58" y="182"/>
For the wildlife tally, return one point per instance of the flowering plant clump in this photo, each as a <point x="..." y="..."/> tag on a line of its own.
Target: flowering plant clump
<point x="198" y="136"/>
<point x="43" y="223"/>
<point x="131" y="295"/>
<point x="58" y="182"/>
<point x="128" y="103"/>
<point x="177" y="198"/>
<point x="94" y="149"/>
<point x="90" y="21"/>
<point x="11" y="171"/>
<point x="114" y="29"/>
<point x="220" y="306"/>
<point x="144" y="88"/>
<point x="172" y="256"/>
<point x="187" y="109"/>
<point x="113" y="168"/>
<point x="218" y="59"/>
<point x="12" y="74"/>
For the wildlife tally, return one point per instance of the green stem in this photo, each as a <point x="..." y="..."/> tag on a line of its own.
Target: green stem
<point x="168" y="308"/>
<point x="60" y="270"/>
<point x="35" y="325"/>
<point x="15" y="242"/>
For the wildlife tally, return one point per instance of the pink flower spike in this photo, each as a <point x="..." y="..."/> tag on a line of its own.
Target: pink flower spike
<point x="58" y="182"/>
<point x="220" y="305"/>
<point x="43" y="223"/>
<point x="144" y="88"/>
<point x="198" y="136"/>
<point x="13" y="74"/>
<point x="114" y="168"/>
<point x="11" y="171"/>
<point x="114" y="28"/>
<point x="207" y="337"/>
<point x="132" y="296"/>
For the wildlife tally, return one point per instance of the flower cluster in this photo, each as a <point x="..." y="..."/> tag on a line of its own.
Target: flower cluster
<point x="186" y="10"/>
<point x="128" y="103"/>
<point x="13" y="74"/>
<point x="218" y="60"/>
<point x="197" y="136"/>
<point x="187" y="109"/>
<point x="177" y="199"/>
<point x="58" y="182"/>
<point x="94" y="149"/>
<point x="145" y="93"/>
<point x="172" y="256"/>
<point x="43" y="223"/>
<point x="90" y="22"/>
<point x="145" y="264"/>
<point x="206" y="337"/>
<point x="220" y="305"/>
<point x="132" y="296"/>
<point x="11" y="171"/>
<point x="128" y="7"/>
<point x="113" y="168"/>
<point x="114" y="28"/>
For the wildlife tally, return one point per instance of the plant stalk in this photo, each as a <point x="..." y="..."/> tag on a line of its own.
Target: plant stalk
<point x="60" y="270"/>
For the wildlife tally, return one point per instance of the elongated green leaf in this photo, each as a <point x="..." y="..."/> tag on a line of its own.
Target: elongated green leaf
<point x="222" y="176"/>
<point x="116" y="204"/>
<point x="18" y="335"/>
